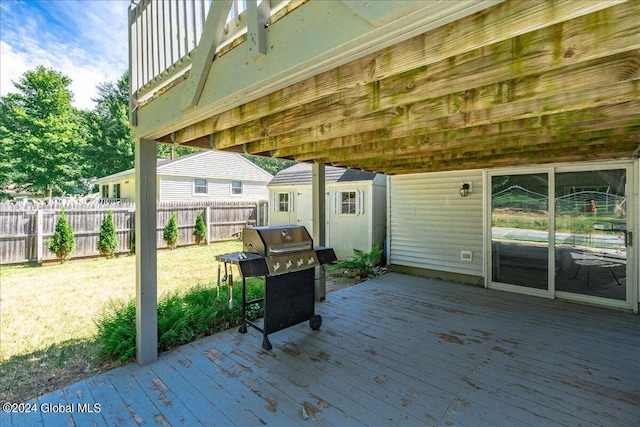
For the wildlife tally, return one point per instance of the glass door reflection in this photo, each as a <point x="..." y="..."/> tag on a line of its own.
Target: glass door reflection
<point x="519" y="230"/>
<point x="590" y="238"/>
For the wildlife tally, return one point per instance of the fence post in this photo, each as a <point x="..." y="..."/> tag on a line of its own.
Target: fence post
<point x="207" y="220"/>
<point x="39" y="236"/>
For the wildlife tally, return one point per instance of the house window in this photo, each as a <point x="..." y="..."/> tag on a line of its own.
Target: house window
<point x="199" y="186"/>
<point x="116" y="191"/>
<point x="105" y="191"/>
<point x="349" y="202"/>
<point x="236" y="187"/>
<point x="283" y="202"/>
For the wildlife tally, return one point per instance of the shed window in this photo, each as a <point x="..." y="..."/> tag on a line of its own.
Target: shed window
<point x="236" y="187"/>
<point x="200" y="186"/>
<point x="284" y="202"/>
<point x="349" y="202"/>
<point x="105" y="191"/>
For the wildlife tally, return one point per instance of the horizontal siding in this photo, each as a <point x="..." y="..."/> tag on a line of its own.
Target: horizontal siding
<point x="430" y="224"/>
<point x="176" y="189"/>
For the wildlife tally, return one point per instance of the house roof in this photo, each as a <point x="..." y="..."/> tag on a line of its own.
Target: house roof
<point x="301" y="174"/>
<point x="206" y="164"/>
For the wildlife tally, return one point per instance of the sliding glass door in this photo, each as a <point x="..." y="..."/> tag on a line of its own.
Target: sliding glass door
<point x="563" y="232"/>
<point x="591" y="233"/>
<point x="519" y="230"/>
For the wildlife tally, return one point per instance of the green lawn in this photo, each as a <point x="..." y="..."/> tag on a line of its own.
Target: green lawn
<point x="47" y="314"/>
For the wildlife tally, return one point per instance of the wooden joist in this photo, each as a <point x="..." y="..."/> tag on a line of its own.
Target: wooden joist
<point x="540" y="73"/>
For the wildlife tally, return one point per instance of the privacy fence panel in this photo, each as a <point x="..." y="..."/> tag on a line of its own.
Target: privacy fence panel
<point x="25" y="228"/>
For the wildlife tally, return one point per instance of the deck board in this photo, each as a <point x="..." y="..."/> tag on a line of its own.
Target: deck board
<point x="395" y="350"/>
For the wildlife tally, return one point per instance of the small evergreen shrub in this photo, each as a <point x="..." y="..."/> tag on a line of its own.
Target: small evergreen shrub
<point x="182" y="317"/>
<point x="362" y="262"/>
<point x="170" y="233"/>
<point x="63" y="240"/>
<point x="200" y="231"/>
<point x="108" y="240"/>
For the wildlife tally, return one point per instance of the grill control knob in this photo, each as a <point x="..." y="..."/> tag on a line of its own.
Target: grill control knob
<point x="300" y="262"/>
<point x="276" y="266"/>
<point x="311" y="260"/>
<point x="289" y="264"/>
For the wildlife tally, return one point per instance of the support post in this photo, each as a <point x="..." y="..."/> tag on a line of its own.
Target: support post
<point x="146" y="254"/>
<point x="319" y="223"/>
<point x="207" y="216"/>
<point x="40" y="237"/>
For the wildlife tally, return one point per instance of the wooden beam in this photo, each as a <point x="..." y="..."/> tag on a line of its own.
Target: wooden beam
<point x="146" y="253"/>
<point x="203" y="55"/>
<point x="465" y="35"/>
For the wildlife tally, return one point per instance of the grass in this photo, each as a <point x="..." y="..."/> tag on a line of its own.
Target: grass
<point x="48" y="314"/>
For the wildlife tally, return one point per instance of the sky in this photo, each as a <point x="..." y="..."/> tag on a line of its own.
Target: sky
<point x="86" y="40"/>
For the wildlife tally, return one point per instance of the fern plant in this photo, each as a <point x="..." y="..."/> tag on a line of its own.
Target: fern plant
<point x="362" y="262"/>
<point x="200" y="231"/>
<point x="63" y="241"/>
<point x="170" y="232"/>
<point x="108" y="239"/>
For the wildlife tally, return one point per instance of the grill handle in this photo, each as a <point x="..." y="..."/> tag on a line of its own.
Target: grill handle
<point x="292" y="248"/>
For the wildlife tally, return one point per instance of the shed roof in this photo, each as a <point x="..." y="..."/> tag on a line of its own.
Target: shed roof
<point x="301" y="174"/>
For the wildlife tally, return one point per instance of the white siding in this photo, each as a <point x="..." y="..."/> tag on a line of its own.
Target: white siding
<point x="430" y="223"/>
<point x="177" y="189"/>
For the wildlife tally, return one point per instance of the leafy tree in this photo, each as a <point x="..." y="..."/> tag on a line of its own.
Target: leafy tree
<point x="111" y="147"/>
<point x="200" y="231"/>
<point x="108" y="239"/>
<point x="170" y="232"/>
<point x="63" y="240"/>
<point x="41" y="134"/>
<point x="167" y="151"/>
<point x="271" y="165"/>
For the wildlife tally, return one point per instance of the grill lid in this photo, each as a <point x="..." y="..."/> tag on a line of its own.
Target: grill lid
<point x="276" y="240"/>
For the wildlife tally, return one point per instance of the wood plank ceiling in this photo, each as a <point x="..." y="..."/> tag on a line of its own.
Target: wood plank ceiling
<point x="481" y="92"/>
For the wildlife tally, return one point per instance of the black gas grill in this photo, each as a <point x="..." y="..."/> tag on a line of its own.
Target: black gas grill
<point x="285" y="257"/>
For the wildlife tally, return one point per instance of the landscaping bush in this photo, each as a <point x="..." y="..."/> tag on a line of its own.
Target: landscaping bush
<point x="200" y="231"/>
<point x="362" y="262"/>
<point x="63" y="241"/>
<point x="170" y="233"/>
<point x="182" y="318"/>
<point x="108" y="240"/>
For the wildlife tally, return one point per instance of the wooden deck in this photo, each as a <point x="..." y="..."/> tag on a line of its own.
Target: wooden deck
<point x="396" y="350"/>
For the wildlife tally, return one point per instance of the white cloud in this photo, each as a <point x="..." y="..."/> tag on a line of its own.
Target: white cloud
<point x="84" y="40"/>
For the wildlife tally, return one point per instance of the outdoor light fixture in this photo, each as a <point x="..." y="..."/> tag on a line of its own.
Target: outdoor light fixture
<point x="464" y="189"/>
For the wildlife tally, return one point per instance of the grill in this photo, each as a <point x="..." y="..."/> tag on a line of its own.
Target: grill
<point x="285" y="257"/>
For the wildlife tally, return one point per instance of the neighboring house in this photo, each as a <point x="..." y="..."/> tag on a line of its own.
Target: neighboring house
<point x="208" y="175"/>
<point x="356" y="205"/>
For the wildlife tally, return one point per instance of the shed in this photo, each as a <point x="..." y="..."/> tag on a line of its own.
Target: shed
<point x="356" y="203"/>
<point x="203" y="176"/>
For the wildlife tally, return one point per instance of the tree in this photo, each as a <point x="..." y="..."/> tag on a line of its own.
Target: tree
<point x="271" y="165"/>
<point x="200" y="231"/>
<point x="108" y="239"/>
<point x="63" y="240"/>
<point x="170" y="232"/>
<point x="110" y="146"/>
<point x="42" y="131"/>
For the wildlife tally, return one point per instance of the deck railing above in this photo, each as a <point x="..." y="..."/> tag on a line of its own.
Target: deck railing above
<point x="164" y="33"/>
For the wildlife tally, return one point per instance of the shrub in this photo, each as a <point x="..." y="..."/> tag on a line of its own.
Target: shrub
<point x="362" y="262"/>
<point x="170" y="233"/>
<point x="182" y="317"/>
<point x="63" y="240"/>
<point x="200" y="231"/>
<point x="108" y="240"/>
